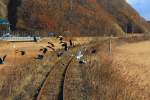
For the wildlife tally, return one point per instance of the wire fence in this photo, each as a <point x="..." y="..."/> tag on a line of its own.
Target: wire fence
<point x="25" y="35"/>
<point x="17" y="39"/>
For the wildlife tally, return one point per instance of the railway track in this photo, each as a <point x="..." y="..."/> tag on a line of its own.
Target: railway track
<point x="73" y="83"/>
<point x="52" y="87"/>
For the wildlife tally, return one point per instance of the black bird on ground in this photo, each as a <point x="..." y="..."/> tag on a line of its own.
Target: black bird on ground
<point x="51" y="48"/>
<point x="60" y="38"/>
<point x="2" y="59"/>
<point x="51" y="44"/>
<point x="65" y="46"/>
<point x="39" y="56"/>
<point x="44" y="50"/>
<point x="21" y="51"/>
<point x="59" y="54"/>
<point x="71" y="43"/>
<point x="93" y="51"/>
<point x="82" y="62"/>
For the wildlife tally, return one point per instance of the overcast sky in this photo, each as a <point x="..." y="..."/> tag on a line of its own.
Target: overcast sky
<point x="142" y="6"/>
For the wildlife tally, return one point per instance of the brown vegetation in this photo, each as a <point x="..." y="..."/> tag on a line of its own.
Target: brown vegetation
<point x="100" y="79"/>
<point x="86" y="17"/>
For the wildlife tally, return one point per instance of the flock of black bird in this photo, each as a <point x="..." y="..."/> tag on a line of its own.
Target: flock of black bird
<point x="51" y="46"/>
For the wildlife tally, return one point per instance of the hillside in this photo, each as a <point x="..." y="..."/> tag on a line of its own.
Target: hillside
<point x="3" y="8"/>
<point x="86" y="17"/>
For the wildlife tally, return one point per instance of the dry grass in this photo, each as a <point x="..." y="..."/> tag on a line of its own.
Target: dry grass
<point x="102" y="81"/>
<point x="134" y="64"/>
<point x="99" y="79"/>
<point x="3" y="43"/>
<point x="21" y="82"/>
<point x="20" y="76"/>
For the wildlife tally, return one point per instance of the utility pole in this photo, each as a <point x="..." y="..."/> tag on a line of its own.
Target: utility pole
<point x="110" y="45"/>
<point x="126" y="28"/>
<point x="14" y="48"/>
<point x="132" y="28"/>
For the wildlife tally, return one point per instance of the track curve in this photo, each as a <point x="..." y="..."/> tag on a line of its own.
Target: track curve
<point x="52" y="89"/>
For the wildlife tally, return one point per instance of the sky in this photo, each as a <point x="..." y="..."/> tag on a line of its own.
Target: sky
<point x="142" y="6"/>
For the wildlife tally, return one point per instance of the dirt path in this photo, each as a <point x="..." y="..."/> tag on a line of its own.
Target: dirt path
<point x="133" y="60"/>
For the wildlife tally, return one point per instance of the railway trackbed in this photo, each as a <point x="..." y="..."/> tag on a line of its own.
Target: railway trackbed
<point x="73" y="80"/>
<point x="52" y="88"/>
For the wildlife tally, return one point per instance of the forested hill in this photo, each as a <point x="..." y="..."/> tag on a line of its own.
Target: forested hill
<point x="79" y="17"/>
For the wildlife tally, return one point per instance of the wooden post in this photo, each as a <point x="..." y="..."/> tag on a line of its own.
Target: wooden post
<point x="14" y="48"/>
<point x="110" y="44"/>
<point x="126" y="30"/>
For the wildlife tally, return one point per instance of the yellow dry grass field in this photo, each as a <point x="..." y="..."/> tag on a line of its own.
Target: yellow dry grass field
<point x="123" y="75"/>
<point x="15" y="59"/>
<point x="133" y="60"/>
